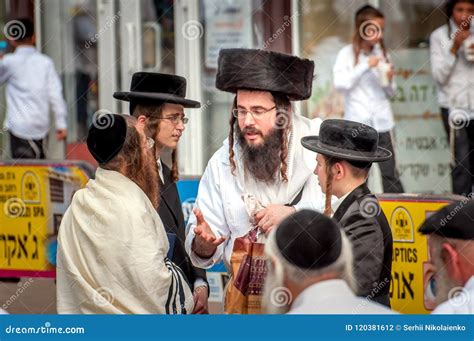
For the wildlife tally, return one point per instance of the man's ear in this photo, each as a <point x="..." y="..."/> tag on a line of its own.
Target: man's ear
<point x="450" y="259"/>
<point x="339" y="171"/>
<point x="141" y="123"/>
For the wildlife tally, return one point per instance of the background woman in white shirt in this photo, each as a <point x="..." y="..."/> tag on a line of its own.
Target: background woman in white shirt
<point x="364" y="74"/>
<point x="452" y="66"/>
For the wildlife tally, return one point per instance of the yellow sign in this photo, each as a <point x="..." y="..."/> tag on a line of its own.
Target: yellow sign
<point x="30" y="188"/>
<point x="410" y="262"/>
<point x="33" y="200"/>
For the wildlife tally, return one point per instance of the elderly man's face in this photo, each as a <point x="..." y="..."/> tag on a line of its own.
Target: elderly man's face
<point x="260" y="118"/>
<point x="453" y="264"/>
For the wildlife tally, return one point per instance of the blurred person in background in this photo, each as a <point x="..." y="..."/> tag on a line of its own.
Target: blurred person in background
<point x="33" y="89"/>
<point x="452" y="65"/>
<point x="363" y="73"/>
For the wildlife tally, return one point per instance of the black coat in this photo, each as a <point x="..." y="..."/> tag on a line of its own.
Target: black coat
<point x="372" y="244"/>
<point x="171" y="214"/>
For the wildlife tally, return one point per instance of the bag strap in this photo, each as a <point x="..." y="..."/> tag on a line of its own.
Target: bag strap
<point x="297" y="198"/>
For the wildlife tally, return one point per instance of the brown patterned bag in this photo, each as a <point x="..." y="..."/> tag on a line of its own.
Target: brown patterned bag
<point x="244" y="290"/>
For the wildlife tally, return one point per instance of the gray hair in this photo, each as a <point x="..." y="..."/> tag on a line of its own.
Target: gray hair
<point x="342" y="267"/>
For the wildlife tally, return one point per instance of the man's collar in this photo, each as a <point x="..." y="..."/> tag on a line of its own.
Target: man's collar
<point x="349" y="199"/>
<point x="25" y="48"/>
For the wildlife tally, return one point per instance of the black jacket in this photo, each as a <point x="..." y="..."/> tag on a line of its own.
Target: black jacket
<point x="372" y="243"/>
<point x="171" y="214"/>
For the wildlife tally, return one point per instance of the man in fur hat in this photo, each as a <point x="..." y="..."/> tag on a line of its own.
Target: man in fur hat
<point x="262" y="160"/>
<point x="346" y="151"/>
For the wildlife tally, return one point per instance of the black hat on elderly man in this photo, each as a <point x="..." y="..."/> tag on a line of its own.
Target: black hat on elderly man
<point x="157" y="88"/>
<point x="309" y="240"/>
<point x="347" y="140"/>
<point x="253" y="69"/>
<point x="452" y="221"/>
<point x="106" y="136"/>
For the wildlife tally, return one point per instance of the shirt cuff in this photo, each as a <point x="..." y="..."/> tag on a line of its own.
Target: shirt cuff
<point x="61" y="124"/>
<point x="200" y="283"/>
<point x="203" y="263"/>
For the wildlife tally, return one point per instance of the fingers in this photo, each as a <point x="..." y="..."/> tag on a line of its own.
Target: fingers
<point x="219" y="241"/>
<point x="267" y="226"/>
<point x="208" y="237"/>
<point x="259" y="215"/>
<point x="199" y="218"/>
<point x="270" y="229"/>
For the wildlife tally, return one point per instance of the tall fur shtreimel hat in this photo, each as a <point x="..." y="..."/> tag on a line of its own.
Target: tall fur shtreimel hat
<point x="265" y="71"/>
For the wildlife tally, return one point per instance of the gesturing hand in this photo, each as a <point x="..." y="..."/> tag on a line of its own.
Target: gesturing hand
<point x="205" y="241"/>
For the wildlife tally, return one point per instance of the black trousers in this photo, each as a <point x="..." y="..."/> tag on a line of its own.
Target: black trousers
<point x="445" y="118"/>
<point x="26" y="149"/>
<point x="390" y="177"/>
<point x="463" y="169"/>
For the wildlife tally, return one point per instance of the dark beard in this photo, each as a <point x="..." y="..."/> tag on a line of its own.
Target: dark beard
<point x="145" y="175"/>
<point x="262" y="161"/>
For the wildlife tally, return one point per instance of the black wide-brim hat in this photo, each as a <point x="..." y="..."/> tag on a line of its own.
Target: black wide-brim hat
<point x="150" y="87"/>
<point x="254" y="69"/>
<point x="347" y="140"/>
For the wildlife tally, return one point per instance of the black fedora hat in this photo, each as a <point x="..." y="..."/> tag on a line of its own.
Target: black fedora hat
<point x="347" y="140"/>
<point x="150" y="87"/>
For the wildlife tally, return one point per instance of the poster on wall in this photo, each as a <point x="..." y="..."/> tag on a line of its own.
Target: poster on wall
<point x="422" y="146"/>
<point x="228" y="25"/>
<point x="412" y="282"/>
<point x="33" y="200"/>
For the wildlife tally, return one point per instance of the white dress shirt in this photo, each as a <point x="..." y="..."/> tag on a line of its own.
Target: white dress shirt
<point x="463" y="303"/>
<point x="454" y="75"/>
<point x="365" y="100"/>
<point x="334" y="297"/>
<point x="33" y="88"/>
<point x="220" y="192"/>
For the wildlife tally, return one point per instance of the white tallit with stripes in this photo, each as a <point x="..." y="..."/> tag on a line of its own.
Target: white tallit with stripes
<point x="112" y="249"/>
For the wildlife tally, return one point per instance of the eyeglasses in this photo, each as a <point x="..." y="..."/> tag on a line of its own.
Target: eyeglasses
<point x="175" y="119"/>
<point x="150" y="143"/>
<point x="257" y="114"/>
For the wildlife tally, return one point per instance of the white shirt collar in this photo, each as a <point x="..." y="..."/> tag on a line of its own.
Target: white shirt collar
<point x="160" y="169"/>
<point x="335" y="205"/>
<point x="322" y="291"/>
<point x="470" y="284"/>
<point x="25" y="49"/>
